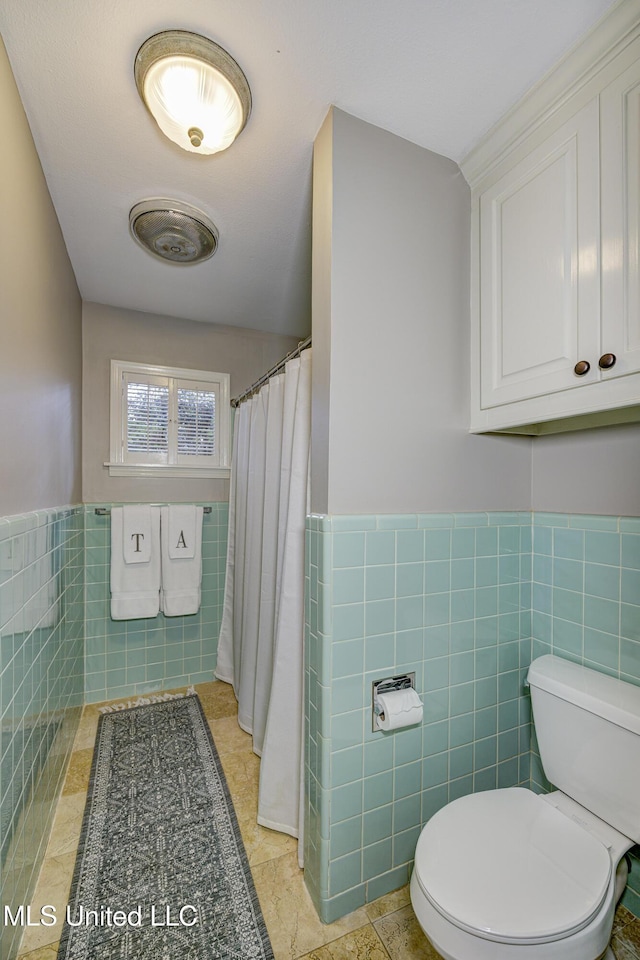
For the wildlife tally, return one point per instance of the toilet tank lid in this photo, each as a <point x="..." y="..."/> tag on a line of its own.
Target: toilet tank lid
<point x="614" y="700"/>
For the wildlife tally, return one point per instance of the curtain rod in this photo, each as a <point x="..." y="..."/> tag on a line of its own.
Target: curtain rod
<point x="271" y="373"/>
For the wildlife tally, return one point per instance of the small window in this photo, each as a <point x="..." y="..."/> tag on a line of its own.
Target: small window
<point x="168" y="422"/>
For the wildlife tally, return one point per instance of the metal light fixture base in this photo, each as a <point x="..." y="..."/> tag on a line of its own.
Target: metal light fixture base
<point x="173" y="231"/>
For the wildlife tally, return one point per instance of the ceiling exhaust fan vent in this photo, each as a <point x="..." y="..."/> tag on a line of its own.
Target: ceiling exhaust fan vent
<point x="173" y="231"/>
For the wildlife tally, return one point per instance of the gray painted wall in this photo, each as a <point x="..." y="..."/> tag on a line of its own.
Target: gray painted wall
<point x="391" y="335"/>
<point x="321" y="254"/>
<point x="40" y="329"/>
<point x="590" y="471"/>
<point x="112" y="333"/>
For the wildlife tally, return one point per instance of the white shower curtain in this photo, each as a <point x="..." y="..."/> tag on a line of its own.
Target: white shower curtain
<point x="260" y="650"/>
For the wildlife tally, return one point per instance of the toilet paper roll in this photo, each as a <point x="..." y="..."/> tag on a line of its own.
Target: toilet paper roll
<point x="398" y="708"/>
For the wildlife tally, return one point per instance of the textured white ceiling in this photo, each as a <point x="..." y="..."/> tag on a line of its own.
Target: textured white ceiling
<point x="437" y="72"/>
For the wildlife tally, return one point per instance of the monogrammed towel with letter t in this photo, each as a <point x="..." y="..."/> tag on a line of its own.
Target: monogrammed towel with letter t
<point x="136" y="532"/>
<point x="135" y="562"/>
<point x="181" y="549"/>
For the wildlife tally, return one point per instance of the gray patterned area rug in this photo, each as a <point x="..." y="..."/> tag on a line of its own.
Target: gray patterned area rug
<point x="161" y="872"/>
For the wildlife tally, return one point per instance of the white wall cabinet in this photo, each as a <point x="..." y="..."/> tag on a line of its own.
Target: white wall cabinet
<point x="620" y="158"/>
<point x="536" y="221"/>
<point x="555" y="233"/>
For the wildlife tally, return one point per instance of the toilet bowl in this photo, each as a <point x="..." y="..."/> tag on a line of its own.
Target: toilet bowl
<point x="509" y="874"/>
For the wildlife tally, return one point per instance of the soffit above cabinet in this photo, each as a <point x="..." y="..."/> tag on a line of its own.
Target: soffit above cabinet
<point x="555" y="89"/>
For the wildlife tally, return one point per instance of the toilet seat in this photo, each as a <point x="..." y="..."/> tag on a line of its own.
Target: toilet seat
<point x="508" y="867"/>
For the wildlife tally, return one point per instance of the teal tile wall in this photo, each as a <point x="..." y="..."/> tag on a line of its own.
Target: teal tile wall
<point x="449" y="598"/>
<point x="465" y="601"/>
<point x="586" y="608"/>
<point x="41" y="686"/>
<point x="126" y="658"/>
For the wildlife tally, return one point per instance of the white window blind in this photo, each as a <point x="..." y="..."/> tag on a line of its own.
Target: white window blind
<point x="196" y="422"/>
<point x="147" y="418"/>
<point x="168" y="421"/>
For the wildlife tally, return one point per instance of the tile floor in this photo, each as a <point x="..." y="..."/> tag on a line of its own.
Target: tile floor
<point x="383" y="930"/>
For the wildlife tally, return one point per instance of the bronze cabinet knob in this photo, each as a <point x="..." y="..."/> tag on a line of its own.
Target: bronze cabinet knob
<point x="606" y="361"/>
<point x="582" y="367"/>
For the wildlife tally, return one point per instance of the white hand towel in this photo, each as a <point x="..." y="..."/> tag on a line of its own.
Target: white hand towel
<point x="135" y="587"/>
<point x="136" y="535"/>
<point x="181" y="578"/>
<point x="182" y="531"/>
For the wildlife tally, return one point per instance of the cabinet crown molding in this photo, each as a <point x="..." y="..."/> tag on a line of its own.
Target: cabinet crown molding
<point x="619" y="27"/>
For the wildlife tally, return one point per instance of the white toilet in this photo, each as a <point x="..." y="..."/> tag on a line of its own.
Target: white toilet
<point x="511" y="875"/>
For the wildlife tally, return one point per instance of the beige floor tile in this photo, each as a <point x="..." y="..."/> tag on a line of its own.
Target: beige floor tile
<point x="262" y="844"/>
<point x="67" y="825"/>
<point x="90" y="710"/>
<point x="78" y="772"/>
<point x="246" y="808"/>
<point x="622" y="918"/>
<point x="50" y="952"/>
<point x="218" y="700"/>
<point x="229" y="737"/>
<point x="403" y="937"/>
<point x="389" y="903"/>
<point x="86" y="732"/>
<point x="242" y="773"/>
<point x="293" y="924"/>
<point x="629" y="936"/>
<point x="362" y="944"/>
<point x="621" y="951"/>
<point x="173" y="690"/>
<point x="52" y="888"/>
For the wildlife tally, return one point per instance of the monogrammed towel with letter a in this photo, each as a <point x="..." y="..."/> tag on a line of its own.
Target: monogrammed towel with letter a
<point x="181" y="549"/>
<point x="183" y="530"/>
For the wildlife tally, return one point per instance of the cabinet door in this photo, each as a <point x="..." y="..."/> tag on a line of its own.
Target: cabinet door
<point x="620" y="124"/>
<point x="539" y="277"/>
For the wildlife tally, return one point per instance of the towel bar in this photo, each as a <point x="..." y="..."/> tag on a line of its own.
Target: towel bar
<point x="106" y="512"/>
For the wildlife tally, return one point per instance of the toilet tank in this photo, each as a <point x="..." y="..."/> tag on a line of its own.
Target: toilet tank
<point x="588" y="731"/>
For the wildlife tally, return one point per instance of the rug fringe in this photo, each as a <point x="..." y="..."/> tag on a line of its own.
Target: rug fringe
<point x="143" y="701"/>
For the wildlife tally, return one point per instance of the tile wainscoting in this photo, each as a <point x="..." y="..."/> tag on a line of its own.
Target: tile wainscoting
<point x="41" y="686"/>
<point x="449" y="598"/>
<point x="464" y="600"/>
<point x="132" y="657"/>
<point x="586" y="608"/>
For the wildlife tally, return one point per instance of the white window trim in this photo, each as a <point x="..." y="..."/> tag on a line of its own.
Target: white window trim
<point x="119" y="467"/>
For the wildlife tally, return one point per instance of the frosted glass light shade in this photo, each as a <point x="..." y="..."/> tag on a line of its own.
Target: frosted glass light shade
<point x="196" y="92"/>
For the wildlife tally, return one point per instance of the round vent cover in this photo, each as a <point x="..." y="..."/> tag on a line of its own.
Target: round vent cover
<point x="173" y="230"/>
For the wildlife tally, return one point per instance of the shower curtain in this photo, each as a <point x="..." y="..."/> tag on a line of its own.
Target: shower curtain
<point x="260" y="650"/>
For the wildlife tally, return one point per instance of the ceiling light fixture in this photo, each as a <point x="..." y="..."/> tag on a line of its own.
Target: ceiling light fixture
<point x="195" y="90"/>
<point x="173" y="230"/>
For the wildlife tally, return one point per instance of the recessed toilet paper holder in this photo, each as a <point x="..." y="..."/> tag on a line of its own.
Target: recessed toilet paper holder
<point x="402" y="682"/>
